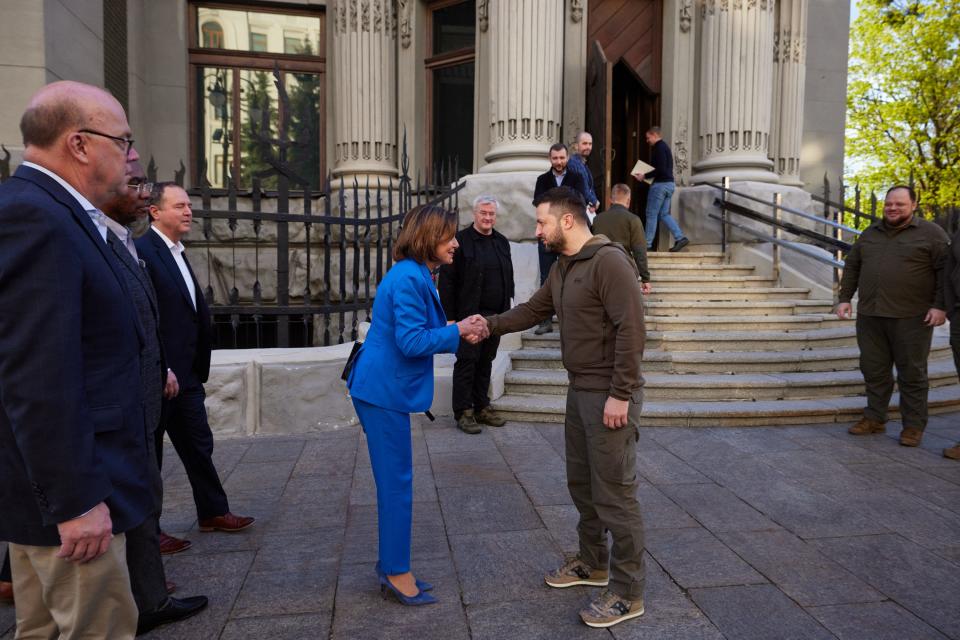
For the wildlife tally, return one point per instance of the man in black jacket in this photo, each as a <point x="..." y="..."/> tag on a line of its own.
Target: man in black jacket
<point x="557" y="176"/>
<point x="480" y="280"/>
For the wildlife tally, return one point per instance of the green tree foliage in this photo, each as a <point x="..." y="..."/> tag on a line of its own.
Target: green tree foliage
<point x="903" y="97"/>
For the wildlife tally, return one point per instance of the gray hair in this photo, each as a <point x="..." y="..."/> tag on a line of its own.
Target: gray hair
<point x="485" y="198"/>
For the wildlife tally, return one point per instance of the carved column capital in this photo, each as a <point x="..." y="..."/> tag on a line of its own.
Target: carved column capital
<point x="686" y="15"/>
<point x="483" y="15"/>
<point x="576" y="10"/>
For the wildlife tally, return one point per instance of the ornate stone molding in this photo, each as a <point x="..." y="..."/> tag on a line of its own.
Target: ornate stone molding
<point x="686" y="15"/>
<point x="483" y="15"/>
<point x="681" y="157"/>
<point x="576" y="10"/>
<point x="403" y="9"/>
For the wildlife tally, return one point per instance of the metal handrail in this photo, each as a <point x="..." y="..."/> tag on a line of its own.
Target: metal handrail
<point x="802" y="214"/>
<point x="799" y="248"/>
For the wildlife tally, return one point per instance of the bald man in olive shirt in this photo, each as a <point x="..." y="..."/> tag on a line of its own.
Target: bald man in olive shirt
<point x="898" y="267"/>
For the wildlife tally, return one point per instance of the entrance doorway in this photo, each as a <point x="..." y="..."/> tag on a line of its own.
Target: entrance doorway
<point x="634" y="109"/>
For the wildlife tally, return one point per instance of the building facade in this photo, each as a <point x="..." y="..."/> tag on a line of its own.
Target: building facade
<point x="751" y="89"/>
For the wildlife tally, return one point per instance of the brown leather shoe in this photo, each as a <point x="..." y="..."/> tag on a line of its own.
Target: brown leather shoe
<point x="170" y="545"/>
<point x="953" y="452"/>
<point x="227" y="522"/>
<point x="911" y="436"/>
<point x="171" y="587"/>
<point x="866" y="427"/>
<point x="6" y="591"/>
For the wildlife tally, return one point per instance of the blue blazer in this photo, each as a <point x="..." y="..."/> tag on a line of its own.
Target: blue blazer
<point x="71" y="405"/>
<point x="186" y="333"/>
<point x="394" y="369"/>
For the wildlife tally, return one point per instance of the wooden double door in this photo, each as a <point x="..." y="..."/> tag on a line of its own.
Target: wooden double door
<point x="623" y="91"/>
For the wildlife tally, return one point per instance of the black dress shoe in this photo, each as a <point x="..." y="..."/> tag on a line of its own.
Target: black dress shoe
<point x="173" y="610"/>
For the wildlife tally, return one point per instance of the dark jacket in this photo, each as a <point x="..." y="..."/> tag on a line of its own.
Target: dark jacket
<point x="951" y="278"/>
<point x="186" y="333"/>
<point x="461" y="283"/>
<point x="620" y="225"/>
<point x="597" y="299"/>
<point x="547" y="181"/>
<point x="898" y="272"/>
<point x="661" y="159"/>
<point x="71" y="412"/>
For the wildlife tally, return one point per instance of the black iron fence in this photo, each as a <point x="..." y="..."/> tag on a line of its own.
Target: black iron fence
<point x="860" y="209"/>
<point x="297" y="267"/>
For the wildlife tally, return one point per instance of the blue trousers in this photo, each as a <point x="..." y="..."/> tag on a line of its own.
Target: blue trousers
<point x="658" y="208"/>
<point x="391" y="456"/>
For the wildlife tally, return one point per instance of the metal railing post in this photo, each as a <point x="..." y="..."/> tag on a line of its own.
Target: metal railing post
<point x="725" y="182"/>
<point x="778" y="235"/>
<point x="838" y="254"/>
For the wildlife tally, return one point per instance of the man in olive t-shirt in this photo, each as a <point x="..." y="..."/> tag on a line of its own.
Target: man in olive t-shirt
<point x="897" y="265"/>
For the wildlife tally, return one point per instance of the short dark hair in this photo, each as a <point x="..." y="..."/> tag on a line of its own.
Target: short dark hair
<point x="656" y="131"/>
<point x="424" y="227"/>
<point x="559" y="146"/>
<point x="620" y="190"/>
<point x="41" y="124"/>
<point x="910" y="190"/>
<point x="159" y="189"/>
<point x="563" y="200"/>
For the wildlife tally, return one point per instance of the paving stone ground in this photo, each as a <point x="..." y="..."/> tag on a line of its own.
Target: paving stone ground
<point x="781" y="532"/>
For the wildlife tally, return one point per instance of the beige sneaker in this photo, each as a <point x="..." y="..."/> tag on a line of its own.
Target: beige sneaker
<point x="911" y="437"/>
<point x="610" y="609"/>
<point x="866" y="427"/>
<point x="953" y="452"/>
<point x="468" y="423"/>
<point x="576" y="572"/>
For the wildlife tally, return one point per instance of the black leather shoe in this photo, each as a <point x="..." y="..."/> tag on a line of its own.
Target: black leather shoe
<point x="173" y="610"/>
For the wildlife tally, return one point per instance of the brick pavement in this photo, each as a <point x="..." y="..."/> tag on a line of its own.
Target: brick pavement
<point x="791" y="532"/>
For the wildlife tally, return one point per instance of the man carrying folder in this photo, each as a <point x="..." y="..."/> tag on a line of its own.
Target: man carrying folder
<point x="661" y="191"/>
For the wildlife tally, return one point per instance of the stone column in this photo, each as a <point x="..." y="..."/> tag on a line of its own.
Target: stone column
<point x="525" y="62"/>
<point x="736" y="87"/>
<point x="789" y="75"/>
<point x="364" y="88"/>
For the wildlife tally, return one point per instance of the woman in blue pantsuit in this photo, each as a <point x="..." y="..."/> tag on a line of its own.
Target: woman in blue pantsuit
<point x="393" y="377"/>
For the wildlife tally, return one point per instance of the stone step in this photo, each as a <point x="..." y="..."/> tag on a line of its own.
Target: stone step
<point x="715" y="282"/>
<point x="660" y="360"/>
<point x="550" y="408"/>
<point x="738" y="307"/>
<point x="684" y="257"/>
<point x="669" y="269"/>
<point x="753" y="323"/>
<point x="839" y="335"/>
<point x="708" y="293"/>
<point x="729" y="387"/>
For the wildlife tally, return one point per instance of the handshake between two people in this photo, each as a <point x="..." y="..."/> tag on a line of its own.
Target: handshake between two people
<point x="474" y="329"/>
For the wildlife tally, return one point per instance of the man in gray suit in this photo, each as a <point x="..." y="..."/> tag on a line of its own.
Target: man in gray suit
<point x="147" y="577"/>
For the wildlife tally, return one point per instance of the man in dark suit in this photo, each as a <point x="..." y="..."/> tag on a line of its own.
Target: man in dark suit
<point x="557" y="176"/>
<point x="72" y="448"/>
<point x="185" y="330"/>
<point x="147" y="577"/>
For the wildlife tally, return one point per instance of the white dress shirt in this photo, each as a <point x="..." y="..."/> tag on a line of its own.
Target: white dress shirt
<point x="122" y="233"/>
<point x="176" y="250"/>
<point x="95" y="214"/>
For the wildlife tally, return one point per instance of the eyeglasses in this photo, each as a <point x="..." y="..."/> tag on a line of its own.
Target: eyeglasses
<point x="141" y="188"/>
<point x="126" y="141"/>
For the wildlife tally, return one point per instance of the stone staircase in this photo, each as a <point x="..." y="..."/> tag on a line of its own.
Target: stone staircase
<point x="727" y="347"/>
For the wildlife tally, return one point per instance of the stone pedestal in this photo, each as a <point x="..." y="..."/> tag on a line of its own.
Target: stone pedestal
<point x="525" y="63"/>
<point x="363" y="72"/>
<point x="789" y="74"/>
<point x="736" y="78"/>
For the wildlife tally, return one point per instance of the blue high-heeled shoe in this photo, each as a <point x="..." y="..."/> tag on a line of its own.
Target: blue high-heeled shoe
<point x="423" y="585"/>
<point x="387" y="588"/>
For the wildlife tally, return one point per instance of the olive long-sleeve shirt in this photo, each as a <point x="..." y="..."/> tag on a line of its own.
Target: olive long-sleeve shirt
<point x="899" y="272"/>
